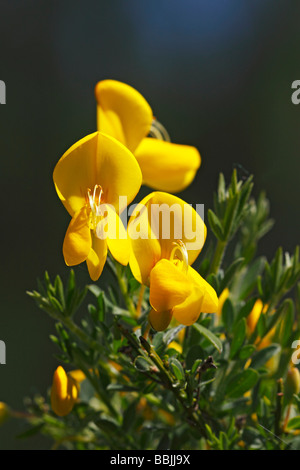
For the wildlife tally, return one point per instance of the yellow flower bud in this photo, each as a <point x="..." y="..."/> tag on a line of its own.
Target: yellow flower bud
<point x="4" y="412"/>
<point x="292" y="383"/>
<point x="64" y="392"/>
<point x="224" y="296"/>
<point x="176" y="346"/>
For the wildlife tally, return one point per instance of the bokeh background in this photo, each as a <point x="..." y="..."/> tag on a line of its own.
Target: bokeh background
<point x="217" y="73"/>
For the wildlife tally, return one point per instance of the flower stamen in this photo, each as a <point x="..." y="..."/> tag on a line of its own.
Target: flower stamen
<point x="94" y="205"/>
<point x="180" y="247"/>
<point x="158" y="131"/>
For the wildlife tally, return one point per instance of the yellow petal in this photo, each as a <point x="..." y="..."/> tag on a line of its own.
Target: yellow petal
<point x="122" y="112"/>
<point x="166" y="166"/>
<point x="145" y="248"/>
<point x="210" y="301"/>
<point x="98" y="159"/>
<point x="97" y="257"/>
<point x="160" y="320"/>
<point x="169" y="286"/>
<point x="223" y="297"/>
<point x="254" y="315"/>
<point x="64" y="392"/>
<point x="112" y="229"/>
<point x="188" y="311"/>
<point x="77" y="375"/>
<point x="158" y="221"/>
<point x="117" y="172"/>
<point x="202" y="299"/>
<point x="77" y="242"/>
<point x="75" y="173"/>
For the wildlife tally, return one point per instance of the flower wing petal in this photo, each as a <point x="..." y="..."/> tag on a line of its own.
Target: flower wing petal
<point x="169" y="286"/>
<point x="97" y="257"/>
<point x="77" y="242"/>
<point x="122" y="112"/>
<point x="117" y="172"/>
<point x="112" y="229"/>
<point x="75" y="172"/>
<point x="166" y="166"/>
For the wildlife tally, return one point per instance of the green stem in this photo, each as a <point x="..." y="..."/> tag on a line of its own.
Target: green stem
<point x="218" y="256"/>
<point x="124" y="290"/>
<point x="193" y="418"/>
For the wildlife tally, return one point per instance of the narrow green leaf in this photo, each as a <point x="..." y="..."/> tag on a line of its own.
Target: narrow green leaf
<point x="262" y="356"/>
<point x="211" y="337"/>
<point x="241" y="383"/>
<point x="239" y="335"/>
<point x="215" y="225"/>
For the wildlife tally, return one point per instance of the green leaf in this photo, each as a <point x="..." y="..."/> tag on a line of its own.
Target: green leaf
<point x="230" y="272"/>
<point x="143" y="364"/>
<point x="239" y="335"/>
<point x="31" y="432"/>
<point x="247" y="282"/>
<point x="228" y="314"/>
<point x="246" y="351"/>
<point x="213" y="339"/>
<point x="215" y="225"/>
<point x="177" y="369"/>
<point x="286" y="326"/>
<point x="262" y="356"/>
<point x="241" y="383"/>
<point x="294" y="423"/>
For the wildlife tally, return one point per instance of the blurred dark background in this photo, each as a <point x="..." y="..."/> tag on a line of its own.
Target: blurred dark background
<point x="217" y="74"/>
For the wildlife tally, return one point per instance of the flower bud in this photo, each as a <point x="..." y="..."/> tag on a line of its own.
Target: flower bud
<point x="292" y="383"/>
<point x="64" y="392"/>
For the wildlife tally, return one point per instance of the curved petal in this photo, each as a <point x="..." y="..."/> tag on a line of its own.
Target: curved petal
<point x="169" y="286"/>
<point x="77" y="242"/>
<point x="202" y="299"/>
<point x="145" y="248"/>
<point x="122" y="112"/>
<point x="160" y="320"/>
<point x="172" y="219"/>
<point x="188" y="311"/>
<point x="210" y="301"/>
<point x="166" y="166"/>
<point x="75" y="173"/>
<point x="117" y="172"/>
<point x="111" y="228"/>
<point x="97" y="257"/>
<point x="98" y="159"/>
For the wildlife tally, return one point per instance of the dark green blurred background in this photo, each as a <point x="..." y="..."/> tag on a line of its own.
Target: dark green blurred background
<point x="217" y="73"/>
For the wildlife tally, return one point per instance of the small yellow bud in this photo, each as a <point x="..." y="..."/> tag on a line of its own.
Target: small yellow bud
<point x="224" y="296"/>
<point x="292" y="383"/>
<point x="64" y="392"/>
<point x="4" y="412"/>
<point x="176" y="346"/>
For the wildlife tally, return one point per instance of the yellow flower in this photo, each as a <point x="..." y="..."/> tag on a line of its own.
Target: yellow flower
<point x="162" y="261"/>
<point x="123" y="113"/>
<point x="89" y="179"/>
<point x="64" y="392"/>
